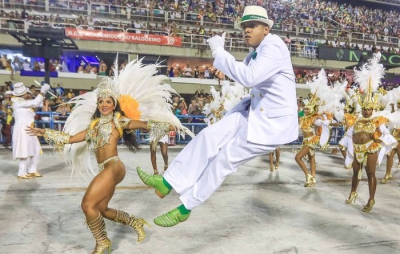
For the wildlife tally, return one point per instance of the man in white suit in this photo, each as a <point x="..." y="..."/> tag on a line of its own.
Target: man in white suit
<point x="26" y="148"/>
<point x="260" y="123"/>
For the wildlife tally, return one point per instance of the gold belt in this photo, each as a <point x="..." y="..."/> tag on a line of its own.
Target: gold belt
<point x="113" y="158"/>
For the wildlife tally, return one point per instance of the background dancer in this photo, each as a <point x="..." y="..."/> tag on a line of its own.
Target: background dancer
<point x="26" y="148"/>
<point x="271" y="159"/>
<point x="394" y="126"/>
<point x="371" y="138"/>
<point x="164" y="152"/>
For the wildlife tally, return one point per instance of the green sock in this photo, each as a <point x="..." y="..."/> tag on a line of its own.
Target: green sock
<point x="182" y="209"/>
<point x="166" y="184"/>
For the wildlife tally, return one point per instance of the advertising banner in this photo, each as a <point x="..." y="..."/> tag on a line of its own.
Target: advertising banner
<point x="99" y="35"/>
<point x="353" y="55"/>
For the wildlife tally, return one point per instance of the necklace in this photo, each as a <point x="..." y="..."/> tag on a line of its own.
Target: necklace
<point x="366" y="118"/>
<point x="105" y="119"/>
<point x="104" y="130"/>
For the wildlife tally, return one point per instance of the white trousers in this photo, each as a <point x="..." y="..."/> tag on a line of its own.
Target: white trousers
<point x="28" y="165"/>
<point x="201" y="167"/>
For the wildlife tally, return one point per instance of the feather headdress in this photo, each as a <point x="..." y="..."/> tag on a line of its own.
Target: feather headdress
<point x="318" y="88"/>
<point x="142" y="95"/>
<point x="331" y="98"/>
<point x="369" y="78"/>
<point x="214" y="109"/>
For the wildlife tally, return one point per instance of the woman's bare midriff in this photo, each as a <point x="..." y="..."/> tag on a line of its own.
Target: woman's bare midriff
<point x="361" y="138"/>
<point x="110" y="149"/>
<point x="308" y="134"/>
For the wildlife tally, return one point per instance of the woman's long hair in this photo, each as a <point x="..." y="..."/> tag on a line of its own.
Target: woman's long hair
<point x="129" y="136"/>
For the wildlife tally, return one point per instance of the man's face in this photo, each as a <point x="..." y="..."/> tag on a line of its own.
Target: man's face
<point x="27" y="96"/>
<point x="254" y="32"/>
<point x="367" y="112"/>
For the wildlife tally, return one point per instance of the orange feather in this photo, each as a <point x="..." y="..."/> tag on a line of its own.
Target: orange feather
<point x="130" y="107"/>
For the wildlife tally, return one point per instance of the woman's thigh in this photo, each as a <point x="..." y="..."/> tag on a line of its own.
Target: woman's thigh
<point x="103" y="185"/>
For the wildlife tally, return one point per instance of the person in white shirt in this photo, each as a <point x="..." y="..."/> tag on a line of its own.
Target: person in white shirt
<point x="41" y="65"/>
<point x="206" y="73"/>
<point x="138" y="26"/>
<point x="187" y="71"/>
<point x="26" y="148"/>
<point x="26" y="66"/>
<point x="257" y="125"/>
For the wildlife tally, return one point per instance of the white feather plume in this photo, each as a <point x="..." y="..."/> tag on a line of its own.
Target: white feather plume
<point x="136" y="80"/>
<point x="231" y="94"/>
<point x="370" y="73"/>
<point x="318" y="82"/>
<point x="395" y="97"/>
<point x="213" y="106"/>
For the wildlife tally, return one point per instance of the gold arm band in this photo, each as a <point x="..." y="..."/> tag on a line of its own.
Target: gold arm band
<point x="57" y="139"/>
<point x="157" y="131"/>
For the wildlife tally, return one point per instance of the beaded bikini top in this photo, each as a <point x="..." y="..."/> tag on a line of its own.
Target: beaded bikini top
<point x="368" y="125"/>
<point x="100" y="129"/>
<point x="307" y="123"/>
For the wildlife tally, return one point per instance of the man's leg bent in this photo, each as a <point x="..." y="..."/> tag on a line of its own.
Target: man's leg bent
<point x="237" y="152"/>
<point x="189" y="165"/>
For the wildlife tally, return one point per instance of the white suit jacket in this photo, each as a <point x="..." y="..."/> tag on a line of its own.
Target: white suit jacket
<point x="272" y="102"/>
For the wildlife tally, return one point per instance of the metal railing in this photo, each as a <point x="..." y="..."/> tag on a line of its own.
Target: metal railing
<point x="37" y="5"/>
<point x="195" y="40"/>
<point x="49" y="120"/>
<point x="10" y="24"/>
<point x="317" y="29"/>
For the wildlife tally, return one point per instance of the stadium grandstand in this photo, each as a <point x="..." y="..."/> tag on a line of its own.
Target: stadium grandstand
<point x="319" y="34"/>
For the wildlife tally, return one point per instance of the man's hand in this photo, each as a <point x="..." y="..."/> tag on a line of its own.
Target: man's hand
<point x="216" y="42"/>
<point x="45" y="88"/>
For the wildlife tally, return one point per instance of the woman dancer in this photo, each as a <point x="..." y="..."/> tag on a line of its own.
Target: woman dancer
<point x="164" y="152"/>
<point x="394" y="125"/>
<point x="371" y="138"/>
<point x="346" y="143"/>
<point x="308" y="124"/>
<point x="315" y="126"/>
<point x="271" y="160"/>
<point x="110" y="107"/>
<point x="108" y="126"/>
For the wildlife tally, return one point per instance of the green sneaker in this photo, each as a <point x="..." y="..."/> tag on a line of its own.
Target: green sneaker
<point x="155" y="181"/>
<point x="171" y="218"/>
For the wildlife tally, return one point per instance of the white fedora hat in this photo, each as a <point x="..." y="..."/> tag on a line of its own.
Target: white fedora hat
<point x="254" y="13"/>
<point x="20" y="89"/>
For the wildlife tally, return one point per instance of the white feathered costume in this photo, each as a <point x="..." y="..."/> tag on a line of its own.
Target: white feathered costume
<point x="143" y="95"/>
<point x="369" y="78"/>
<point x="223" y="101"/>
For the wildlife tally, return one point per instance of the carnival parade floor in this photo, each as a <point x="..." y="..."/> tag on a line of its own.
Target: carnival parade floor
<point x="254" y="211"/>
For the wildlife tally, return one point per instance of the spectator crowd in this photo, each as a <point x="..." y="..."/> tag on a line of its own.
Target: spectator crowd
<point x="343" y="23"/>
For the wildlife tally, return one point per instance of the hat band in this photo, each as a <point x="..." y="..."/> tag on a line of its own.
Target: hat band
<point x="21" y="93"/>
<point x="252" y="17"/>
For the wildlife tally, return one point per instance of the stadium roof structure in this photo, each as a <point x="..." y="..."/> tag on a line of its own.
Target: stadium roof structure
<point x="44" y="42"/>
<point x="44" y="36"/>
